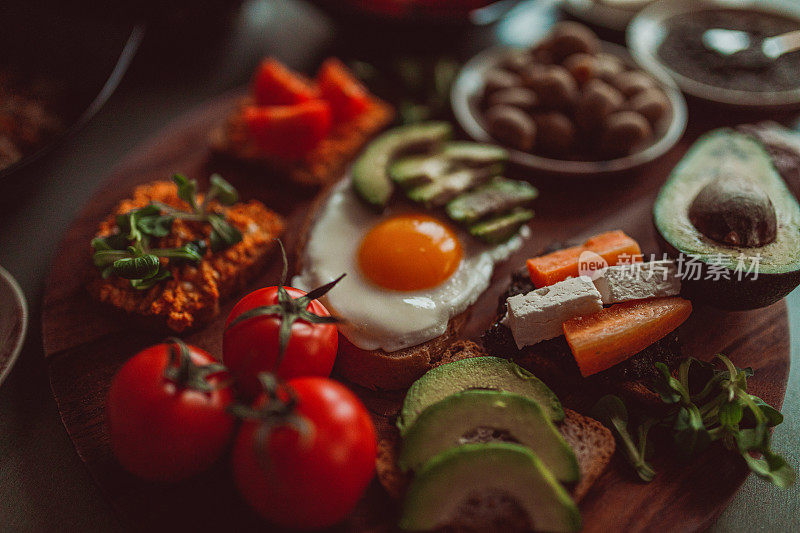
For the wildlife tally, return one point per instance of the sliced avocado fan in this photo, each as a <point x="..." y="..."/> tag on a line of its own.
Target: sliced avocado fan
<point x="449" y="479"/>
<point x="444" y="424"/>
<point x="493" y="373"/>
<point x="370" y="170"/>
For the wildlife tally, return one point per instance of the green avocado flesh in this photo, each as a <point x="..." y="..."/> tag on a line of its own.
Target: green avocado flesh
<point x="370" y="171"/>
<point x="451" y="478"/>
<point x="720" y="155"/>
<point x="496" y="197"/>
<point x="492" y="373"/>
<point x="447" y="423"/>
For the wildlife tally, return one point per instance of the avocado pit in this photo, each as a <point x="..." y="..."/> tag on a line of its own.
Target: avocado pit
<point x="733" y="210"/>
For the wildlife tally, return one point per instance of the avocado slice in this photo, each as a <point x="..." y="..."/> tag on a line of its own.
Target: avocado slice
<point x="502" y="227"/>
<point x="415" y="170"/>
<point x="448" y="186"/>
<point x="446" y="424"/>
<point x="474" y="154"/>
<point x="445" y="482"/>
<point x="370" y="170"/>
<point x="493" y="198"/>
<point x="492" y="373"/>
<point x="727" y="213"/>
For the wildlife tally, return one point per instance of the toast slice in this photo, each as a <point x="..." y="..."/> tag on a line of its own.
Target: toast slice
<point x="592" y="443"/>
<point x="191" y="296"/>
<point x="322" y="165"/>
<point x="552" y="361"/>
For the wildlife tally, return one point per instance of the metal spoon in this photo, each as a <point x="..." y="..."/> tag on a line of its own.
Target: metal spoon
<point x="729" y="42"/>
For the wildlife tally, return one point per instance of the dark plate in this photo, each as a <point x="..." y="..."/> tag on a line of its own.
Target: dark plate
<point x="84" y="56"/>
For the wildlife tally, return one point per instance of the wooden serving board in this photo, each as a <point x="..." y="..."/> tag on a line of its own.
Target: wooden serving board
<point x="85" y="343"/>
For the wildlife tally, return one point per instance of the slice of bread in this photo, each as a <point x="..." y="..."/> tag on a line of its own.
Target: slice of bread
<point x="592" y="443"/>
<point x="552" y="361"/>
<point x="192" y="295"/>
<point x="322" y="165"/>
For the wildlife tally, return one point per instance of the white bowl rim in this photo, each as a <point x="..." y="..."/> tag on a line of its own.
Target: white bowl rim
<point x="19" y="341"/>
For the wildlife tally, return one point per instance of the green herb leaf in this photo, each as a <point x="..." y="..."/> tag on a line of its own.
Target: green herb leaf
<point x="670" y="389"/>
<point x="142" y="267"/>
<point x="611" y="411"/>
<point x="773" y="416"/>
<point x="773" y="468"/>
<point x="188" y="252"/>
<point x="730" y="414"/>
<point x="187" y="190"/>
<point x="691" y="436"/>
<point x="106" y="258"/>
<point x="223" y="191"/>
<point x="155" y="225"/>
<point x="144" y="284"/>
<point x="223" y="235"/>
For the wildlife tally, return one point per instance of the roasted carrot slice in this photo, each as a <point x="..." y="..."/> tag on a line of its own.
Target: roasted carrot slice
<point x="607" y="338"/>
<point x="554" y="267"/>
<point x="613" y="246"/>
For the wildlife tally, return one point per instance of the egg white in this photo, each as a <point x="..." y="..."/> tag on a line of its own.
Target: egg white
<point x="375" y="317"/>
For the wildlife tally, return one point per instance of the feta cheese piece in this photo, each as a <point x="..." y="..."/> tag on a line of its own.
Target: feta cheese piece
<point x="637" y="281"/>
<point x="539" y="314"/>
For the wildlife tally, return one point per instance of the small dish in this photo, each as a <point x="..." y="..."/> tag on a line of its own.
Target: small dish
<point x="465" y="97"/>
<point x="13" y="322"/>
<point x="649" y="28"/>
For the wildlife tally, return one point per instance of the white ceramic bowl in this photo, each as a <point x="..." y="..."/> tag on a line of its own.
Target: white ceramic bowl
<point x="648" y="29"/>
<point x="465" y="99"/>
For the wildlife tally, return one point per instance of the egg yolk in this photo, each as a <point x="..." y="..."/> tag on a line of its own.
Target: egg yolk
<point x="409" y="252"/>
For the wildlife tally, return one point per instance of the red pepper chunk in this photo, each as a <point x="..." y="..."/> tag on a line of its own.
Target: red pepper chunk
<point x="289" y="131"/>
<point x="274" y="84"/>
<point x="337" y="85"/>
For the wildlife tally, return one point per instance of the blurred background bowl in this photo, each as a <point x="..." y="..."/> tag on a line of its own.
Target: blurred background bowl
<point x="80" y="58"/>
<point x="465" y="100"/>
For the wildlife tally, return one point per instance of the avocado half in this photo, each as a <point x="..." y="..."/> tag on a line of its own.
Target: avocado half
<point x="448" y="423"/>
<point x="455" y="476"/>
<point x="730" y="219"/>
<point x="493" y="373"/>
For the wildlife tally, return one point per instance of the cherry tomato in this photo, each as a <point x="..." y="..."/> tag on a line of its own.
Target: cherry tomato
<point x="168" y="421"/>
<point x="309" y="480"/>
<point x="252" y="346"/>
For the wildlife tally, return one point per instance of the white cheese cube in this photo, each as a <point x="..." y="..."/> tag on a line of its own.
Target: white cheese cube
<point x="637" y="281"/>
<point x="538" y="315"/>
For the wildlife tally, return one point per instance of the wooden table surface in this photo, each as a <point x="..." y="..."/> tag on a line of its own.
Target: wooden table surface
<point x="43" y="485"/>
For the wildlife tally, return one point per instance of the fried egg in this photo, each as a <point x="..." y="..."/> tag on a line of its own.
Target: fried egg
<point x="408" y="271"/>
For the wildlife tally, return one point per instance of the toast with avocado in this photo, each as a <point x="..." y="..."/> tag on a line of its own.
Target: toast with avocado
<point x="413" y="172"/>
<point x="520" y="459"/>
